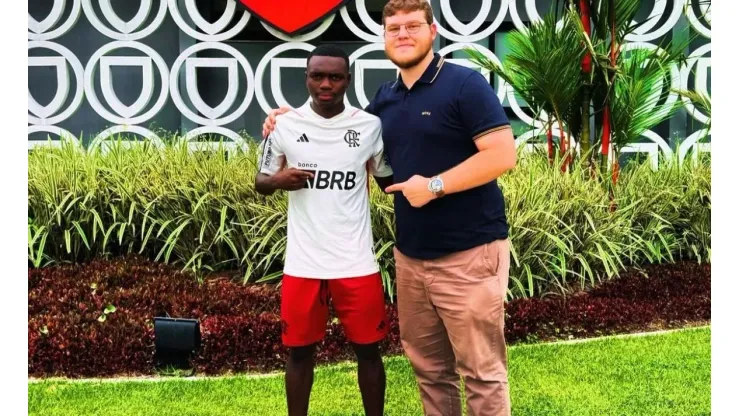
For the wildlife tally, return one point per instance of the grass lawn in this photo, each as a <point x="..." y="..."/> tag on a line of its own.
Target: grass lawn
<point x="666" y="374"/>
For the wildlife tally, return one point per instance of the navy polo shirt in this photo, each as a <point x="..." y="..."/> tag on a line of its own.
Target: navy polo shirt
<point x="428" y="130"/>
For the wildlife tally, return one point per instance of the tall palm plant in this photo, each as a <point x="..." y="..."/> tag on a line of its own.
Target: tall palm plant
<point x="544" y="70"/>
<point x="587" y="75"/>
<point x="568" y="71"/>
<point x="630" y="88"/>
<point x="604" y="32"/>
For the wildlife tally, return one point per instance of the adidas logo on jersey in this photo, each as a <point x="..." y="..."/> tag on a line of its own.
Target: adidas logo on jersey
<point x="324" y="179"/>
<point x="303" y="138"/>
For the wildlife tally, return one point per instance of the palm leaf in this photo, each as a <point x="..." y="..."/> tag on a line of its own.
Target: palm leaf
<point x="641" y="88"/>
<point x="701" y="100"/>
<point x="543" y="67"/>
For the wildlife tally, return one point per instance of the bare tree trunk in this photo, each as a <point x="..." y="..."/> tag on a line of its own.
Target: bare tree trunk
<point x="586" y="155"/>
<point x="586" y="127"/>
<point x="550" y="150"/>
<point x="605" y="138"/>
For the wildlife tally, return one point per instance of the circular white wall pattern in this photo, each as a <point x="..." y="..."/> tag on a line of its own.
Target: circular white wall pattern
<point x="210" y="32"/>
<point x="222" y="38"/>
<point x="502" y="86"/>
<point x="238" y="140"/>
<point x="692" y="143"/>
<point x="213" y="115"/>
<point x="700" y="64"/>
<point x="40" y="30"/>
<point x="360" y="65"/>
<point x="277" y="63"/>
<point x="125" y="30"/>
<point x="647" y="32"/>
<point x="705" y="14"/>
<point x="50" y="114"/>
<point x="104" y="138"/>
<point x="126" y="114"/>
<point x="376" y="29"/>
<point x="466" y="31"/>
<point x="63" y="135"/>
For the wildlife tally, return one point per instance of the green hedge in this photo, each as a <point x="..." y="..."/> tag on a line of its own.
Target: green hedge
<point x="200" y="211"/>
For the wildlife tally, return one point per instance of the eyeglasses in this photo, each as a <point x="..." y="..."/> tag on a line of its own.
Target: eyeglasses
<point x="411" y="27"/>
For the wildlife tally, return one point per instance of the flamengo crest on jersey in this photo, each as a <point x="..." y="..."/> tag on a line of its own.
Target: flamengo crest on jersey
<point x="329" y="234"/>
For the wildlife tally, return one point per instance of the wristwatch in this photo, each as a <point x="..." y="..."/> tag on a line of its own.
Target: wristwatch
<point x="436" y="186"/>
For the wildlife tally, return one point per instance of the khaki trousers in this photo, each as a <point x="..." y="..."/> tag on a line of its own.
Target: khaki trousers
<point x="451" y="316"/>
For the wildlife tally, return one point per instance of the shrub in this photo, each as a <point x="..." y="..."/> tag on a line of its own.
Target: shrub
<point x="66" y="304"/>
<point x="200" y="212"/>
<point x="240" y="325"/>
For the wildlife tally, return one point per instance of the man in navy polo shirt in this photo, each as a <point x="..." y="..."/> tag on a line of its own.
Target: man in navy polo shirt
<point x="448" y="140"/>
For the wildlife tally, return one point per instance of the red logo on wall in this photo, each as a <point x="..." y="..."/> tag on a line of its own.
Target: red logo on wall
<point x="292" y="16"/>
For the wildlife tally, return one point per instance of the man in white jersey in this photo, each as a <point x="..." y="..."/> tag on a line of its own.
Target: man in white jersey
<point x="323" y="153"/>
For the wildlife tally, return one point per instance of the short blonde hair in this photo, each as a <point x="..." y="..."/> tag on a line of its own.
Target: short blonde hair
<point x="408" y="6"/>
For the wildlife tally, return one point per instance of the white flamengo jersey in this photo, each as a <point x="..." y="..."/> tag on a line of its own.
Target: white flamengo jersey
<point x="329" y="232"/>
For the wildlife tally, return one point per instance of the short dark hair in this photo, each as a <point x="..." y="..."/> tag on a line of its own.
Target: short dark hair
<point x="328" y="50"/>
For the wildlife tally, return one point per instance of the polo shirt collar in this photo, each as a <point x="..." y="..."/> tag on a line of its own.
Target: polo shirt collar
<point x="429" y="75"/>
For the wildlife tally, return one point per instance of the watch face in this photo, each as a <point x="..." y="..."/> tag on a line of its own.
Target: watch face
<point x="436" y="184"/>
